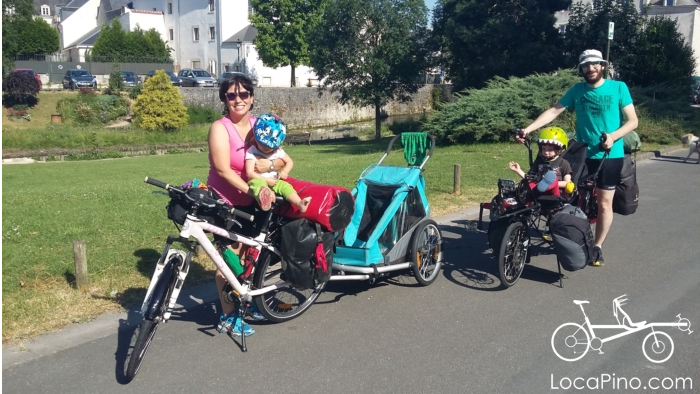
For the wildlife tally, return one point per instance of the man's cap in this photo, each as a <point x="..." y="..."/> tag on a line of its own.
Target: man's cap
<point x="591" y="55"/>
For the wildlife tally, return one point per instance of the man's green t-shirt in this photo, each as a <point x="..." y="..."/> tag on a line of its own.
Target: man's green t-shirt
<point x="598" y="110"/>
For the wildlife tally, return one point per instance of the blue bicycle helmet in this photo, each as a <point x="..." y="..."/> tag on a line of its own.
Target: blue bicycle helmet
<point x="270" y="130"/>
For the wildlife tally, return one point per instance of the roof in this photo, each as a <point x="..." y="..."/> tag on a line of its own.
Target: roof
<point x="147" y="12"/>
<point x="88" y="39"/>
<point x="675" y="3"/>
<point x="247" y="34"/>
<point x="76" y="3"/>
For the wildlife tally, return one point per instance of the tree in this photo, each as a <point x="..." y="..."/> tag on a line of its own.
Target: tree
<point x="114" y="44"/>
<point x="486" y="38"/>
<point x="36" y="36"/>
<point x="370" y="51"/>
<point x="661" y="55"/>
<point x="588" y="29"/>
<point x="159" y="106"/>
<point x="644" y="51"/>
<point x="19" y="89"/>
<point x="14" y="13"/>
<point x="283" y="27"/>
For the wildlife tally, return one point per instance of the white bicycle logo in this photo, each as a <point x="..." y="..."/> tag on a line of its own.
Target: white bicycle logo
<point x="571" y="341"/>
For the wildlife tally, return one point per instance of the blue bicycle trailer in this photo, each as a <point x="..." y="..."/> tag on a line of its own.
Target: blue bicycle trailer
<point x="391" y="228"/>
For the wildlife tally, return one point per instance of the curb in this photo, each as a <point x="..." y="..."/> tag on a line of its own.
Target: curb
<point x="110" y="323"/>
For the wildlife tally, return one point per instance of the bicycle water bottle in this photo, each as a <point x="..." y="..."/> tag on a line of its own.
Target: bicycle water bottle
<point x="233" y="261"/>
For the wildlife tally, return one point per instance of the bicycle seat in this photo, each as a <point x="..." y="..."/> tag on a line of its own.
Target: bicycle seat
<point x="577" y="302"/>
<point x="637" y="325"/>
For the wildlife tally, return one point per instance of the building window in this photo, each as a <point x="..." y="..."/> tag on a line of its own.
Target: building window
<point x="196" y="64"/>
<point x="670" y="3"/>
<point x="211" y="5"/>
<point x="170" y="8"/>
<point x="212" y="67"/>
<point x="172" y="34"/>
<point x="195" y="33"/>
<point x="562" y="29"/>
<point x="45" y="10"/>
<point x="212" y="33"/>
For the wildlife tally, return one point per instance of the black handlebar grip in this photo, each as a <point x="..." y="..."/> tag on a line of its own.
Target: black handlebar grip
<point x="241" y="214"/>
<point x="157" y="183"/>
<point x="603" y="138"/>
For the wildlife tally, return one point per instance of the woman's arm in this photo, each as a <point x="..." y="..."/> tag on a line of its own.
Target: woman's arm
<point x="220" y="151"/>
<point x="263" y="165"/>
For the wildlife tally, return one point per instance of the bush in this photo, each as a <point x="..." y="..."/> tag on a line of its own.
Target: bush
<point x="90" y="109"/>
<point x="19" y="89"/>
<point x="115" y="85"/>
<point x="202" y="115"/>
<point x="160" y="107"/>
<point x="492" y="113"/>
<point x="134" y="92"/>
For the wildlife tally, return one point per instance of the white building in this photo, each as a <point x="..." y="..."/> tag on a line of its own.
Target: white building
<point x="686" y="12"/>
<point x="215" y="35"/>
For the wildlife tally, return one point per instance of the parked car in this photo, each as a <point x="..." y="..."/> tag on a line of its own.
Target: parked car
<point x="130" y="78"/>
<point x="196" y="77"/>
<point x="230" y="73"/>
<point x="30" y="72"/>
<point x="173" y="78"/>
<point x="76" y="78"/>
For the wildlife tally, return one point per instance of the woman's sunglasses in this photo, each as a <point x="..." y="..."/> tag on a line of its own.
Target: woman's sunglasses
<point x="232" y="95"/>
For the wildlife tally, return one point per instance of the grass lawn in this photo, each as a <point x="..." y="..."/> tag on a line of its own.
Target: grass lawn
<point x="47" y="206"/>
<point x="41" y="113"/>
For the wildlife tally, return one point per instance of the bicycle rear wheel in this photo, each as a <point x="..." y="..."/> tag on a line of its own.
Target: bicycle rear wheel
<point x="146" y="332"/>
<point x="284" y="303"/>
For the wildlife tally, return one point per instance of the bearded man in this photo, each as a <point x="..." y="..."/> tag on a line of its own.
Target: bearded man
<point x="604" y="114"/>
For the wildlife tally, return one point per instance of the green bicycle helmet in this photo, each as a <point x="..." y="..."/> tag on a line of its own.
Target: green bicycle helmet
<point x="554" y="136"/>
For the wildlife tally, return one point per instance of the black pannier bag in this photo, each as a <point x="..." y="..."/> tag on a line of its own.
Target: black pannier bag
<point x="572" y="237"/>
<point x="300" y="241"/>
<point x="178" y="207"/>
<point x="626" y="199"/>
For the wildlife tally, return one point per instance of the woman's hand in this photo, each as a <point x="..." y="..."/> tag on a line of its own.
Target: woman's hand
<point x="282" y="175"/>
<point x="264" y="165"/>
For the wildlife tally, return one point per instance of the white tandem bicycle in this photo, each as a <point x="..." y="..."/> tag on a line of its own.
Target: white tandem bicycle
<point x="571" y="341"/>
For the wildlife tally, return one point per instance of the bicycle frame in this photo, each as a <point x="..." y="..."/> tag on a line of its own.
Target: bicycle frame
<point x="628" y="330"/>
<point x="195" y="228"/>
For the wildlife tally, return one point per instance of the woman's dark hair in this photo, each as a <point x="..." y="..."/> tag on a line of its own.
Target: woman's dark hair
<point x="234" y="80"/>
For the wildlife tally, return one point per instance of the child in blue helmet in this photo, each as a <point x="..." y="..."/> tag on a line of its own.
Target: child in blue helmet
<point x="269" y="131"/>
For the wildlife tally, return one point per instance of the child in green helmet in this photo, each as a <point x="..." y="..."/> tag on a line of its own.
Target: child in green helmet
<point x="553" y="170"/>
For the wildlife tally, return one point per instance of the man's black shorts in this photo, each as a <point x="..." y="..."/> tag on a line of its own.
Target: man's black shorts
<point x="609" y="175"/>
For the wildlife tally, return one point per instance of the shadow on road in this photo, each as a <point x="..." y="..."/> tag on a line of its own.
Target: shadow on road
<point x="469" y="262"/>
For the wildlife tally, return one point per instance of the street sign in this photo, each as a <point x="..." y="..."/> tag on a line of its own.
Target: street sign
<point x="611" y="30"/>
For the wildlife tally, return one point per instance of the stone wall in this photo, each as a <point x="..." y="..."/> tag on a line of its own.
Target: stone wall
<point x="303" y="108"/>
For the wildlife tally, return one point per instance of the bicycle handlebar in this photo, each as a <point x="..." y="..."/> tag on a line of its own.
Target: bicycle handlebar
<point x="204" y="202"/>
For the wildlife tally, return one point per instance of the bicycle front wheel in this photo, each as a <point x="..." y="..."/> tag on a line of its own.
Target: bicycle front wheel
<point x="659" y="349"/>
<point x="570" y="342"/>
<point x="286" y="302"/>
<point x="144" y="336"/>
<point x="513" y="253"/>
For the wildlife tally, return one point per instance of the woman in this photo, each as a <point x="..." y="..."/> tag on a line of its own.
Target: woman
<point x="229" y="138"/>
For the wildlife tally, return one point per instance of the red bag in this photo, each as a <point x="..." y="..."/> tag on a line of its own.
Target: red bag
<point x="330" y="206"/>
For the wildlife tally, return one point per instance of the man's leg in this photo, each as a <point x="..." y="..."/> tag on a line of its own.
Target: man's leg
<point x="605" y="215"/>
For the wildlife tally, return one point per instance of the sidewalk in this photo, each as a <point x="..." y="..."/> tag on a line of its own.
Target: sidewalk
<point x="110" y="323"/>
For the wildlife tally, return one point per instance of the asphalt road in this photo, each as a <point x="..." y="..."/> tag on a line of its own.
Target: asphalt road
<point x="459" y="335"/>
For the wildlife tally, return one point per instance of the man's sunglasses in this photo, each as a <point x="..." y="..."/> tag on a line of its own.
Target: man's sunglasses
<point x="591" y="64"/>
<point x="232" y="95"/>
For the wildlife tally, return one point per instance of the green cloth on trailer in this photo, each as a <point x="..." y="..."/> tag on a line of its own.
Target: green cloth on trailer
<point x="415" y="147"/>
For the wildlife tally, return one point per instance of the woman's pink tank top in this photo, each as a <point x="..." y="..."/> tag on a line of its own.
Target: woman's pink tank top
<point x="237" y="148"/>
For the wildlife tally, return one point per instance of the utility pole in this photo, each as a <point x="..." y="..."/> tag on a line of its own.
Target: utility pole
<point x="611" y="31"/>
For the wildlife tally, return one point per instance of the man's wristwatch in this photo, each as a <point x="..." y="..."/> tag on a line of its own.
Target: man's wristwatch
<point x="272" y="165"/>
